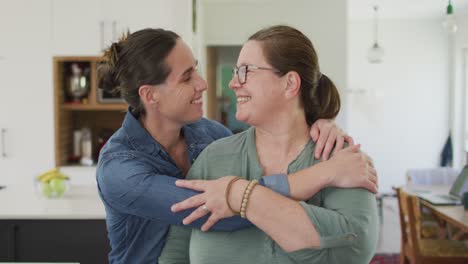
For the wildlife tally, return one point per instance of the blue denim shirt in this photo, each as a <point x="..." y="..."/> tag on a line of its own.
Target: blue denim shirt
<point x="136" y="181"/>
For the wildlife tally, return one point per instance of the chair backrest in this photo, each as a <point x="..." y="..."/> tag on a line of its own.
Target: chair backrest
<point x="404" y="216"/>
<point x="432" y="176"/>
<point x="409" y="222"/>
<point x="414" y="221"/>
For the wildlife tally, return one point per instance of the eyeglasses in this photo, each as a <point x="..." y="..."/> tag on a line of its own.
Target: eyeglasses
<point x="242" y="71"/>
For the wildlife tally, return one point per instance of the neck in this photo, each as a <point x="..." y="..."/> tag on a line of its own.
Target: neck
<point x="285" y="135"/>
<point x="167" y="133"/>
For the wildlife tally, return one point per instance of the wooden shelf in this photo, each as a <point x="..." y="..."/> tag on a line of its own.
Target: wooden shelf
<point x="101" y="118"/>
<point x="95" y="107"/>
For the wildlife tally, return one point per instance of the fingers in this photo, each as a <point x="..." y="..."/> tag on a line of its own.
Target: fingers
<point x="339" y="143"/>
<point x="191" y="202"/>
<point x="349" y="140"/>
<point x="210" y="222"/>
<point x="314" y="132"/>
<point x="373" y="176"/>
<point x="354" y="148"/>
<point x="329" y="145"/>
<point x="372" y="187"/>
<point x="324" y="133"/>
<point x="197" y="185"/>
<point x="371" y="181"/>
<point x="368" y="159"/>
<point x="198" y="213"/>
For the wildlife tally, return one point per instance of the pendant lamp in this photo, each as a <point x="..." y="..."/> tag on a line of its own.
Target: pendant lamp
<point x="376" y="52"/>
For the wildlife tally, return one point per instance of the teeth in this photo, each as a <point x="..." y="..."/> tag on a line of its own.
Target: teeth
<point x="197" y="101"/>
<point x="243" y="99"/>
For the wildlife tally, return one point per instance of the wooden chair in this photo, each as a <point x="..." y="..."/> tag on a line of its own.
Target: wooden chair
<point x="431" y="226"/>
<point x="415" y="250"/>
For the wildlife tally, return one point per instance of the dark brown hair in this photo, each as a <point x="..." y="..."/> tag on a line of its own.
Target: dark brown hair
<point x="287" y="49"/>
<point x="137" y="59"/>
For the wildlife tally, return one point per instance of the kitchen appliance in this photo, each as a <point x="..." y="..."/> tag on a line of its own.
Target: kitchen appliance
<point x="78" y="83"/>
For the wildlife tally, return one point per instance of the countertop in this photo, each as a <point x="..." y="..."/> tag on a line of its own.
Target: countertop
<point x="23" y="202"/>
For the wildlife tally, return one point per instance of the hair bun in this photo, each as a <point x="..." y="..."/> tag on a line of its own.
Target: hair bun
<point x="106" y="70"/>
<point x="106" y="77"/>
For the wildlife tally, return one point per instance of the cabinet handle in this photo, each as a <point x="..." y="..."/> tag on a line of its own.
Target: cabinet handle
<point x="4" y="155"/>
<point x="114" y="31"/>
<point x="101" y="33"/>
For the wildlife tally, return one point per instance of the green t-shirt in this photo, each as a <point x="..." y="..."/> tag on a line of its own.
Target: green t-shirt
<point x="346" y="219"/>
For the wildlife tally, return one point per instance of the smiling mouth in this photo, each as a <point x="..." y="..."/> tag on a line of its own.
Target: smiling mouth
<point x="243" y="99"/>
<point x="197" y="101"/>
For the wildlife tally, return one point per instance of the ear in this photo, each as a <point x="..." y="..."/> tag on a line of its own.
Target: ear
<point x="148" y="95"/>
<point x="293" y="84"/>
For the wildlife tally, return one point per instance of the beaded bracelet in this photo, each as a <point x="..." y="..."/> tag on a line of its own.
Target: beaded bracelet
<point x="245" y="198"/>
<point x="228" y="191"/>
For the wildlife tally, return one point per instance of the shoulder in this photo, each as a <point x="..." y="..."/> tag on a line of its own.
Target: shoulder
<point x="234" y="144"/>
<point x="222" y="157"/>
<point x="210" y="128"/>
<point x="118" y="142"/>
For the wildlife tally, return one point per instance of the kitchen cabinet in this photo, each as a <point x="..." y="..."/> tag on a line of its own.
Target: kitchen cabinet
<point x="87" y="27"/>
<point x="36" y="229"/>
<point x="82" y="241"/>
<point x="26" y="143"/>
<point x="77" y="27"/>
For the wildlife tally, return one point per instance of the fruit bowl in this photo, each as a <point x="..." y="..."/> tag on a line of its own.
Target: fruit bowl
<point x="52" y="184"/>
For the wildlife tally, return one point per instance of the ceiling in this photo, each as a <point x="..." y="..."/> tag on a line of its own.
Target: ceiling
<point x="404" y="9"/>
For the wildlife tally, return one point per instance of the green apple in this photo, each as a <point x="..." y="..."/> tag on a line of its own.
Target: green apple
<point x="46" y="189"/>
<point x="58" y="186"/>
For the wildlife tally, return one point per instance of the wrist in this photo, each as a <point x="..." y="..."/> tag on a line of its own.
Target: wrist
<point x="305" y="183"/>
<point x="236" y="194"/>
<point x="327" y="173"/>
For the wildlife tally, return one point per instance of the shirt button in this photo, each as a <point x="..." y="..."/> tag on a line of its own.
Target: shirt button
<point x="350" y="237"/>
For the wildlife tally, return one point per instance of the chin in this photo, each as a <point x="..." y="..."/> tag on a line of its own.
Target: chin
<point x="242" y="118"/>
<point x="196" y="117"/>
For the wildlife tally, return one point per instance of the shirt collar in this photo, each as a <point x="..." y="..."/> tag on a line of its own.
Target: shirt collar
<point x="141" y="140"/>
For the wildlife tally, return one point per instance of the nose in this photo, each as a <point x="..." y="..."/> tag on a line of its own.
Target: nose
<point x="201" y="84"/>
<point x="234" y="83"/>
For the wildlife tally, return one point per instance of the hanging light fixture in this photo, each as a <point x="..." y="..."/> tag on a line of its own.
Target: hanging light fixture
<point x="450" y="24"/>
<point x="376" y="52"/>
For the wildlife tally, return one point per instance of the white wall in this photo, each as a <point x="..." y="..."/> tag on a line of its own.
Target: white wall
<point x="402" y="118"/>
<point x="324" y="22"/>
<point x="460" y="86"/>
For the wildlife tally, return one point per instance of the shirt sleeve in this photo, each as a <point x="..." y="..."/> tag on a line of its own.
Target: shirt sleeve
<point x="347" y="223"/>
<point x="176" y="249"/>
<point x="129" y="185"/>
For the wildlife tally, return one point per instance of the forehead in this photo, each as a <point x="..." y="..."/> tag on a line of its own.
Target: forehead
<point x="180" y="58"/>
<point x="252" y="53"/>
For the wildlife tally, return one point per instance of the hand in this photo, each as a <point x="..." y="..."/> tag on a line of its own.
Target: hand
<point x="353" y="169"/>
<point x="326" y="134"/>
<point x="213" y="197"/>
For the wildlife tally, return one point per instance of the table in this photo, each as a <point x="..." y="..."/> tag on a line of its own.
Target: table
<point x="452" y="214"/>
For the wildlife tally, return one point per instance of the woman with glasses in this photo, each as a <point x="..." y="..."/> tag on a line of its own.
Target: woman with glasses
<point x="161" y="136"/>
<point x="280" y="93"/>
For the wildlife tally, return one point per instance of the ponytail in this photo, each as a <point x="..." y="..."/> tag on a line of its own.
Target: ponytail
<point x="324" y="103"/>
